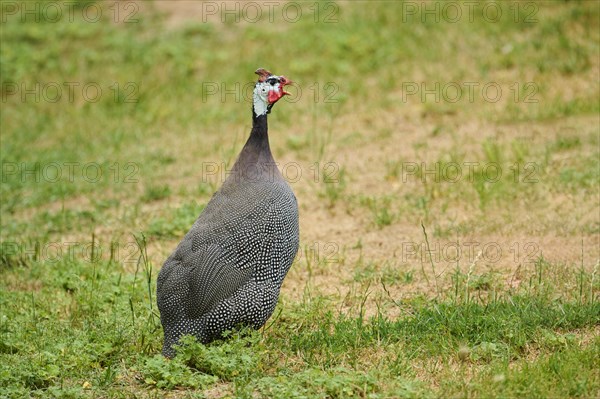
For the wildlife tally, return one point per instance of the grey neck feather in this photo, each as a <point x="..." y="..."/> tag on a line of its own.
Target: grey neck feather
<point x="256" y="159"/>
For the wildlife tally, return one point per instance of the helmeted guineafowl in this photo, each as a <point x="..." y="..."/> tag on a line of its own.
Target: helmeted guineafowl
<point x="229" y="267"/>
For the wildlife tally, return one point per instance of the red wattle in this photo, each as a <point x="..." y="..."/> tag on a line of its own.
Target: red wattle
<point x="273" y="97"/>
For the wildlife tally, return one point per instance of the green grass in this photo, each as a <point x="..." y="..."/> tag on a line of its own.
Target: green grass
<point x="177" y="223"/>
<point x="95" y="195"/>
<point x="88" y="322"/>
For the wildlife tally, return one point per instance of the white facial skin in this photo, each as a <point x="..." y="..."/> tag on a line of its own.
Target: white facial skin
<point x="261" y="94"/>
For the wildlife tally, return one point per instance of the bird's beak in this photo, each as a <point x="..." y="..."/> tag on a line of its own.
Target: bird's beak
<point x="284" y="82"/>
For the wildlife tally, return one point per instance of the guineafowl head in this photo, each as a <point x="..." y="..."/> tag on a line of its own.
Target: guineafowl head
<point x="268" y="90"/>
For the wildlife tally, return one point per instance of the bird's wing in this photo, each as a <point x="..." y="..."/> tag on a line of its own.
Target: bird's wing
<point x="214" y="276"/>
<point x="219" y="253"/>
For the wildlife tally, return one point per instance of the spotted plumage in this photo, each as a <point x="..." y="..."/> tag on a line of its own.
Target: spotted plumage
<point x="229" y="267"/>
